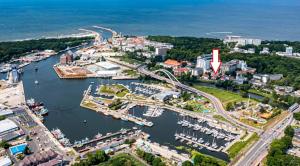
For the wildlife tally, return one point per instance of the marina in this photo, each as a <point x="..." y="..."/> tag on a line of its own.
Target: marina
<point x="66" y="114"/>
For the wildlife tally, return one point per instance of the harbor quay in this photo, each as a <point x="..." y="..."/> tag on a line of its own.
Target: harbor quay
<point x="108" y="142"/>
<point x="192" y="124"/>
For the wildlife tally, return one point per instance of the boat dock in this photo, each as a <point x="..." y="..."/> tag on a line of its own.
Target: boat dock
<point x="194" y="142"/>
<point x="117" y="114"/>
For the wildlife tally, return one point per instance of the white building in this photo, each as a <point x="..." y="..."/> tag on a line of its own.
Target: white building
<point x="7" y="126"/>
<point x="5" y="161"/>
<point x="203" y="62"/>
<point x="107" y="65"/>
<point x="265" y="51"/>
<point x="289" y="51"/>
<point x="242" y="41"/>
<point x="161" y="51"/>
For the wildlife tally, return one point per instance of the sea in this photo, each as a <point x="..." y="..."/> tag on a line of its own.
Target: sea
<point x="265" y="19"/>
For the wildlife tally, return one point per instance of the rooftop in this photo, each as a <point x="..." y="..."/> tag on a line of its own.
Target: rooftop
<point x="6" y="125"/>
<point x="107" y="65"/>
<point x="172" y="62"/>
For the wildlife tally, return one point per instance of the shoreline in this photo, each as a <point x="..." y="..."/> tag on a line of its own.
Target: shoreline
<point x="81" y="34"/>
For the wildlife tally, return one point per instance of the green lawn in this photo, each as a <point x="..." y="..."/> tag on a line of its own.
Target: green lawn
<point x="118" y="90"/>
<point x="225" y="96"/>
<point x="237" y="147"/>
<point x="132" y="73"/>
<point x="122" y="159"/>
<point x="130" y="61"/>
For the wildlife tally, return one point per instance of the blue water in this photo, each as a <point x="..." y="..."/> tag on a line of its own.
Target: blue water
<point x="268" y="19"/>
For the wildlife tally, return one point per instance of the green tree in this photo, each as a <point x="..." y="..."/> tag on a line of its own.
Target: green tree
<point x="187" y="163"/>
<point x="4" y="144"/>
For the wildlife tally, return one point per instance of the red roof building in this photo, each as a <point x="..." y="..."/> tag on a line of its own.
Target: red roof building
<point x="170" y="63"/>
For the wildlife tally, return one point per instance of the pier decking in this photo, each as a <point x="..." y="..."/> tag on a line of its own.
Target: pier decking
<point x="197" y="143"/>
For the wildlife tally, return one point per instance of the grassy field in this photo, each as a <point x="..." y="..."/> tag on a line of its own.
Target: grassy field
<point x="122" y="159"/>
<point x="118" y="90"/>
<point x="132" y="73"/>
<point x="221" y="118"/>
<point x="237" y="147"/>
<point x="130" y="61"/>
<point x="225" y="96"/>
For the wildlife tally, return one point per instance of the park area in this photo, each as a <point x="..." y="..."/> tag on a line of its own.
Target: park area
<point x="225" y="96"/>
<point x="116" y="90"/>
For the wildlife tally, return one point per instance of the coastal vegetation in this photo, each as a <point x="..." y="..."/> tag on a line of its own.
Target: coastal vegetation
<point x="277" y="153"/>
<point x="122" y="159"/>
<point x="16" y="49"/>
<point x="188" y="48"/>
<point x="2" y="117"/>
<point x="201" y="159"/>
<point x="102" y="159"/>
<point x="150" y="158"/>
<point x="237" y="147"/>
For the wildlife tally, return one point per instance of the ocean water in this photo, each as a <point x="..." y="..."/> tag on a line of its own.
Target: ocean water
<point x="267" y="19"/>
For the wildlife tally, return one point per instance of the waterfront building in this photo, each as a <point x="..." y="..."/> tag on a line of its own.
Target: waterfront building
<point x="242" y="41"/>
<point x="66" y="59"/>
<point x="283" y="90"/>
<point x="203" y="62"/>
<point x="13" y="76"/>
<point x="7" y="126"/>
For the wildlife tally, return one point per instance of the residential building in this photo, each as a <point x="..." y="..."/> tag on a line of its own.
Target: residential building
<point x="170" y="63"/>
<point x="289" y="51"/>
<point x="197" y="72"/>
<point x="263" y="79"/>
<point x="180" y="71"/>
<point x="203" y="62"/>
<point x="240" y="79"/>
<point x="161" y="51"/>
<point x="265" y="50"/>
<point x="233" y="65"/>
<point x="283" y="90"/>
<point x="242" y="41"/>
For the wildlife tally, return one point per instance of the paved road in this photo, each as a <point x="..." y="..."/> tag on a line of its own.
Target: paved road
<point x="260" y="148"/>
<point x="215" y="101"/>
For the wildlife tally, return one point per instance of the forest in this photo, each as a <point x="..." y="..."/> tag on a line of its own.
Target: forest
<point x="15" y="49"/>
